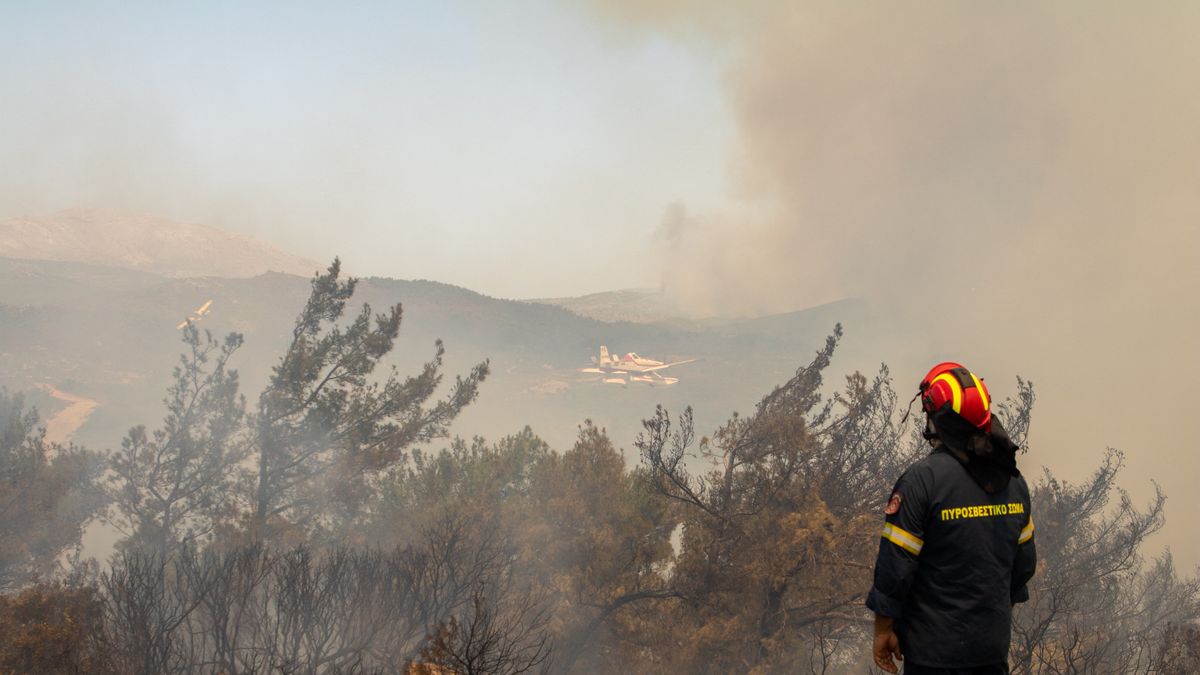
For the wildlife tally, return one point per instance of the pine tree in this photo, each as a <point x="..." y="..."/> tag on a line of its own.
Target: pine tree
<point x="174" y="485"/>
<point x="48" y="493"/>
<point x="324" y="428"/>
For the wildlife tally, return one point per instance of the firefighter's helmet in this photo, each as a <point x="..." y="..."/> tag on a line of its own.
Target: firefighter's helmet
<point x="952" y="384"/>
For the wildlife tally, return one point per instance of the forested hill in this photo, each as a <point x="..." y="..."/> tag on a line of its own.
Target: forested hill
<point x="110" y="335"/>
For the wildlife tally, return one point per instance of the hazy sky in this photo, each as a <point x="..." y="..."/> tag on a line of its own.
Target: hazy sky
<point x="517" y="148"/>
<point x="1019" y="181"/>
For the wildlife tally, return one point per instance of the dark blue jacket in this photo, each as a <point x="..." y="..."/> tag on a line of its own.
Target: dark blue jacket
<point x="952" y="561"/>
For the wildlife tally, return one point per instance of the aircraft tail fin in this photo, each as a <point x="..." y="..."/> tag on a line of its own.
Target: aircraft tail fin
<point x="604" y="357"/>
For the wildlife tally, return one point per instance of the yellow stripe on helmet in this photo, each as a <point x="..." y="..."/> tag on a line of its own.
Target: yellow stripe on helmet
<point x="982" y="393"/>
<point x="955" y="389"/>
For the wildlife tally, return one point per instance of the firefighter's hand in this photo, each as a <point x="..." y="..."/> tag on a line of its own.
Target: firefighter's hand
<point x="886" y="644"/>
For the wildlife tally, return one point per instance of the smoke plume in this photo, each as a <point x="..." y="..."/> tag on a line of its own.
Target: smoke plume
<point x="1016" y="181"/>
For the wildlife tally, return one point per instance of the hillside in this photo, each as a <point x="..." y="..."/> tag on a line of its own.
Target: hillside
<point x="144" y="243"/>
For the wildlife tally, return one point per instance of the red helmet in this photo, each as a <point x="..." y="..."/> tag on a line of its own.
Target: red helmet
<point x="952" y="383"/>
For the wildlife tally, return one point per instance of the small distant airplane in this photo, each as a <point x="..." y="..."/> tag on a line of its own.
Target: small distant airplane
<point x="631" y="366"/>
<point x="200" y="312"/>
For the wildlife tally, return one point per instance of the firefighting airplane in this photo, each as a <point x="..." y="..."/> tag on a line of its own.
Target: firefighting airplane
<point x="200" y="312"/>
<point x="631" y="368"/>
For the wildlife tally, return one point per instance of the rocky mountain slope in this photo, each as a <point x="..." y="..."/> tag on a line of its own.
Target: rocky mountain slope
<point x="145" y="243"/>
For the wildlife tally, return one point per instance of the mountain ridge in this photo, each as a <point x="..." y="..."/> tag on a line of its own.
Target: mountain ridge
<point x="143" y="242"/>
<point x="89" y="302"/>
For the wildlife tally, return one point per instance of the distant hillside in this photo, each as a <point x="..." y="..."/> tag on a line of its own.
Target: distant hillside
<point x="635" y="305"/>
<point x="90" y="301"/>
<point x="144" y="243"/>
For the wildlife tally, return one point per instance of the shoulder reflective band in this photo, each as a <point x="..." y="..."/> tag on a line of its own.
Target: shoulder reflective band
<point x="1027" y="533"/>
<point x="902" y="538"/>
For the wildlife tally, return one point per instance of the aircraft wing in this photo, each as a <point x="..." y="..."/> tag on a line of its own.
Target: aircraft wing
<point x="667" y="365"/>
<point x="608" y="371"/>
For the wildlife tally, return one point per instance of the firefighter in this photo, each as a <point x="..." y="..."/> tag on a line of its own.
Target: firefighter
<point x="957" y="547"/>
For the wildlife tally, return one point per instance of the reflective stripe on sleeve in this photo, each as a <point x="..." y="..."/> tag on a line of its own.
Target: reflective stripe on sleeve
<point x="902" y="538"/>
<point x="1026" y="533"/>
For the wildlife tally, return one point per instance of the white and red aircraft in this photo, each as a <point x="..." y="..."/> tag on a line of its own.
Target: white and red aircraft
<point x="631" y="368"/>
